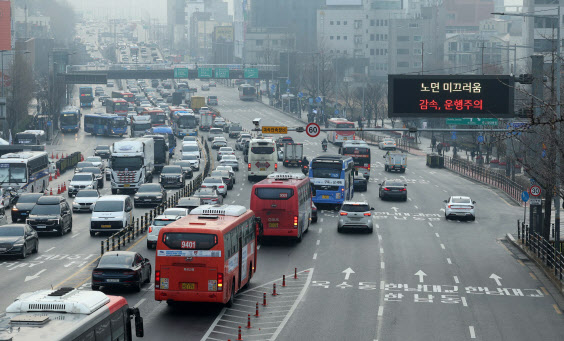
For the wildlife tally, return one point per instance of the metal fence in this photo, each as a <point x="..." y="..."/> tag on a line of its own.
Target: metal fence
<point x="402" y="143"/>
<point x="547" y="252"/>
<point x="486" y="176"/>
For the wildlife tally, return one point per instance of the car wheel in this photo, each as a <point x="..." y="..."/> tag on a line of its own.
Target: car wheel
<point x="92" y="233"/>
<point x="473" y="218"/>
<point x="114" y="191"/>
<point x="95" y="288"/>
<point x="148" y="280"/>
<point x="149" y="246"/>
<point x="61" y="231"/>
<point x="138" y="286"/>
<point x="370" y="230"/>
<point x="24" y="252"/>
<point x="339" y="230"/>
<point x="14" y="219"/>
<point x="36" y="248"/>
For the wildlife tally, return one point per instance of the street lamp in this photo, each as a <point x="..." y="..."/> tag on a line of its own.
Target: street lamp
<point x="558" y="114"/>
<point x="514" y="49"/>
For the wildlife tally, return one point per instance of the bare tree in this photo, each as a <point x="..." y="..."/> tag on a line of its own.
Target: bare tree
<point x="20" y="93"/>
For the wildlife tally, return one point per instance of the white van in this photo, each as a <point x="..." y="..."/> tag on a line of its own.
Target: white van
<point x="191" y="148"/>
<point x="262" y="158"/>
<point x="111" y="213"/>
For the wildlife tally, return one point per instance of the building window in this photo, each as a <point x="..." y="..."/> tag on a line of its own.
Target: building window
<point x="403" y="64"/>
<point x="416" y="64"/>
<point x="386" y="22"/>
<point x="371" y="52"/>
<point x="371" y="22"/>
<point x="345" y="51"/>
<point x="358" y="24"/>
<point x="377" y="37"/>
<point x="259" y="42"/>
<point x="338" y="37"/>
<point x="372" y="37"/>
<point x="452" y="47"/>
<point x="344" y="22"/>
<point x="338" y="22"/>
<point x="338" y="51"/>
<point x="331" y="38"/>
<point x="465" y="47"/>
<point x="331" y="22"/>
<point x="413" y="25"/>
<point x="275" y="42"/>
<point x="402" y="51"/>
<point x="416" y="38"/>
<point x="403" y="38"/>
<point x="417" y="51"/>
<point x="344" y="37"/>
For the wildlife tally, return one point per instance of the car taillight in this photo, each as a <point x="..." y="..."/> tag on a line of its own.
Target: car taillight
<point x="249" y="166"/>
<point x="150" y="229"/>
<point x="368" y="167"/>
<point x="295" y="221"/>
<point x="219" y="282"/>
<point x="448" y="206"/>
<point x="386" y="189"/>
<point x="343" y="213"/>
<point x="157" y="279"/>
<point x="402" y="189"/>
<point x="221" y="186"/>
<point x="367" y="214"/>
<point x="275" y="166"/>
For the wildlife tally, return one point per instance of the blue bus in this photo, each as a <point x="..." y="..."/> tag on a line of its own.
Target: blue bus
<point x="69" y="119"/>
<point x="331" y="179"/>
<point x="86" y="96"/>
<point x="167" y="131"/>
<point x="105" y="124"/>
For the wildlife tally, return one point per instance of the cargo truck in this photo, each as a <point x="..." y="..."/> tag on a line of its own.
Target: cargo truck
<point x="293" y="154"/>
<point x="395" y="162"/>
<point x="132" y="163"/>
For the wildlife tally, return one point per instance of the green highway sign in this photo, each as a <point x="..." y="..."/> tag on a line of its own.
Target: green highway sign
<point x="181" y="73"/>
<point x="221" y="72"/>
<point x="204" y="72"/>
<point x="472" y="121"/>
<point x="251" y="73"/>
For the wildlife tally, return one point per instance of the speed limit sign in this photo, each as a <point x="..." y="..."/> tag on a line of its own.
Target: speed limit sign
<point x="313" y="130"/>
<point x="535" y="190"/>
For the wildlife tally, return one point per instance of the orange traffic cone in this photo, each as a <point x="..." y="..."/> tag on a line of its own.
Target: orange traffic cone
<point x="50" y="177"/>
<point x="64" y="186"/>
<point x="59" y="189"/>
<point x="51" y="192"/>
<point x="81" y="157"/>
<point x="57" y="156"/>
<point x="52" y="156"/>
<point x="55" y="175"/>
<point x="58" y="173"/>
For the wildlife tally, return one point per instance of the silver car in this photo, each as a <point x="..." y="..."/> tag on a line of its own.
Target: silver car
<point x="355" y="215"/>
<point x="217" y="183"/>
<point x="230" y="160"/>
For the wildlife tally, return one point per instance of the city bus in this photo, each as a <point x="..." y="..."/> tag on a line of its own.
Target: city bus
<point x="283" y="203"/>
<point x="262" y="159"/>
<point x="338" y="137"/>
<point x="31" y="137"/>
<point x="331" y="177"/>
<point x="207" y="256"/>
<point x="86" y="96"/>
<point x="158" y="116"/>
<point x="127" y="96"/>
<point x="117" y="106"/>
<point x="25" y="171"/>
<point x="247" y="92"/>
<point x="184" y="123"/>
<point x="360" y="152"/>
<point x="69" y="119"/>
<point x="70" y="314"/>
<point x="105" y="124"/>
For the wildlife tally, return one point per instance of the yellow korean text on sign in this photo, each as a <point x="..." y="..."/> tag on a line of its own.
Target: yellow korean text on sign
<point x="275" y="130"/>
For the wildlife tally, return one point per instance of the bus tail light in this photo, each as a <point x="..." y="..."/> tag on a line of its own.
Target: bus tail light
<point x="249" y="166"/>
<point x="369" y="168"/>
<point x="157" y="279"/>
<point x="368" y="214"/>
<point x="296" y="221"/>
<point x="219" y="282"/>
<point x="276" y="166"/>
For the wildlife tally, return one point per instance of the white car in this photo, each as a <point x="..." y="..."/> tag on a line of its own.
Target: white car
<point x="224" y="151"/>
<point x="189" y="139"/>
<point x="241" y="141"/>
<point x="387" y="144"/>
<point x="191" y="148"/>
<point x="176" y="211"/>
<point x="219" y="122"/>
<point x="193" y="159"/>
<point x="96" y="161"/>
<point x="230" y="160"/>
<point x="227" y="168"/>
<point x="84" y="199"/>
<point x="82" y="181"/>
<point x="219" y="142"/>
<point x="460" y="207"/>
<point x="217" y="183"/>
<point x="155" y="227"/>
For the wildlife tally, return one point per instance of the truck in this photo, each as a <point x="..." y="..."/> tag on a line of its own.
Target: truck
<point x="140" y="124"/>
<point x="395" y="162"/>
<point x="206" y="121"/>
<point x="177" y="98"/>
<point x="196" y="102"/>
<point x="161" y="151"/>
<point x="132" y="163"/>
<point x="293" y="154"/>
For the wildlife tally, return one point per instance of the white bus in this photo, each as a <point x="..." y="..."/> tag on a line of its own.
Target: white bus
<point x="262" y="158"/>
<point x="33" y="137"/>
<point x="25" y="171"/>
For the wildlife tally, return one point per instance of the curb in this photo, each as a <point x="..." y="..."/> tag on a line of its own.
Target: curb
<point x="547" y="272"/>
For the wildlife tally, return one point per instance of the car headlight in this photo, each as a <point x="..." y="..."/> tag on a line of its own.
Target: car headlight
<point x="75" y="204"/>
<point x="71" y="187"/>
<point x="136" y="197"/>
<point x="159" y="196"/>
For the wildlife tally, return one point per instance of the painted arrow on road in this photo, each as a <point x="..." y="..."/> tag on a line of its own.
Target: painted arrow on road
<point x="29" y="278"/>
<point x="442" y="209"/>
<point x="348" y="273"/>
<point x="496" y="278"/>
<point x="395" y="209"/>
<point x="421" y="274"/>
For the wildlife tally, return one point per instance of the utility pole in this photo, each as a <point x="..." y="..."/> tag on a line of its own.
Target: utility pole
<point x="422" y="54"/>
<point x="558" y="118"/>
<point x="483" y="47"/>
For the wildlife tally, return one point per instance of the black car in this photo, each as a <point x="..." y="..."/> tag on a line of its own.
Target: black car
<point x="81" y="165"/>
<point x="360" y="183"/>
<point x="118" y="269"/>
<point x="102" y="151"/>
<point x="393" y="189"/>
<point x="235" y="130"/>
<point x="149" y="194"/>
<point x="97" y="174"/>
<point x="172" y="176"/>
<point x="23" y="205"/>
<point x="102" y="99"/>
<point x="283" y="140"/>
<point x="186" y="169"/>
<point x="51" y="214"/>
<point x="18" y="239"/>
<point x="313" y="213"/>
<point x="225" y="175"/>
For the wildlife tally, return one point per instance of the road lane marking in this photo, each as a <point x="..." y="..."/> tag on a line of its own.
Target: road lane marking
<point x="416" y="207"/>
<point x="456" y="280"/>
<point x="315" y="255"/>
<point x="318" y="242"/>
<point x="430" y="224"/>
<point x="449" y="261"/>
<point x="464" y="303"/>
<point x="436" y="234"/>
<point x="382" y="265"/>
<point x="321" y="220"/>
<point x="409" y="199"/>
<point x="381" y="311"/>
<point x="379" y="237"/>
<point x="381" y="250"/>
<point x="320" y="229"/>
<point x="533" y="276"/>
<point x="520" y="262"/>
<point x="472" y="332"/>
<point x="75" y="235"/>
<point x="377" y="226"/>
<point x="442" y="246"/>
<point x="545" y="291"/>
<point x="139" y="303"/>
<point x="51" y="248"/>
<point x="556" y="309"/>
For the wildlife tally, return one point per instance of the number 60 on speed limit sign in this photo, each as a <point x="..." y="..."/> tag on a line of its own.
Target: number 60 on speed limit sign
<point x="313" y="130"/>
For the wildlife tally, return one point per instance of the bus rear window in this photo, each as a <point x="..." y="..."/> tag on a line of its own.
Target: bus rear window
<point x="262" y="150"/>
<point x="189" y="241"/>
<point x="274" y="193"/>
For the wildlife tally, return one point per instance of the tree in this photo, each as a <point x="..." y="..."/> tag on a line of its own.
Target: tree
<point x="19" y="93"/>
<point x="375" y="98"/>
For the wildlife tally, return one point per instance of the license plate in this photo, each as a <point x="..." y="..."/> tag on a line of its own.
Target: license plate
<point x="147" y="199"/>
<point x="126" y="185"/>
<point x="106" y="226"/>
<point x="188" y="286"/>
<point x="41" y="226"/>
<point x="112" y="280"/>
<point x="324" y="197"/>
<point x="272" y="224"/>
<point x="263" y="169"/>
<point x="24" y="213"/>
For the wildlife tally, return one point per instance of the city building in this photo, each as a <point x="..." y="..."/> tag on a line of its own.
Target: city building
<point x="176" y="21"/>
<point x="466" y="15"/>
<point x="263" y="45"/>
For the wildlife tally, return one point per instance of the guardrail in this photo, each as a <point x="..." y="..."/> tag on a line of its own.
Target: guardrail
<point x="403" y="143"/>
<point x="484" y="175"/>
<point x="140" y="225"/>
<point x="68" y="162"/>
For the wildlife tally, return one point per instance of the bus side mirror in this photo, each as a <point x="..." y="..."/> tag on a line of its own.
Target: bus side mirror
<point x="139" y="330"/>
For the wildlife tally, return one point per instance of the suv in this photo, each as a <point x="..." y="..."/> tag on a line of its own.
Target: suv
<point x="102" y="151"/>
<point x="215" y="132"/>
<point x="51" y="214"/>
<point x="81" y="181"/>
<point x="111" y="213"/>
<point x="155" y="227"/>
<point x="212" y="100"/>
<point x="24" y="204"/>
<point x="172" y="176"/>
<point x="235" y="130"/>
<point x="355" y="214"/>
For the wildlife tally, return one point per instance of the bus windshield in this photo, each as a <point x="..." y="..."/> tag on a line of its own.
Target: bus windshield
<point x="158" y="118"/>
<point x="189" y="241"/>
<point x="69" y="119"/>
<point x="123" y="163"/>
<point x="326" y="170"/>
<point x="13" y="172"/>
<point x="262" y="150"/>
<point x="141" y="126"/>
<point x="118" y="122"/>
<point x="187" y="122"/>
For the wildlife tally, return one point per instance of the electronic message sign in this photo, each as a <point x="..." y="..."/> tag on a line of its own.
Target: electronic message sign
<point x="450" y="96"/>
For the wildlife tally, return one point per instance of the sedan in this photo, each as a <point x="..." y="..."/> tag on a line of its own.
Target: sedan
<point x="393" y="189"/>
<point x="189" y="203"/>
<point x="187" y="169"/>
<point x="217" y="183"/>
<point x="102" y="151"/>
<point x="84" y="199"/>
<point x="226" y="176"/>
<point x="360" y="183"/>
<point x="18" y="239"/>
<point x="229" y="169"/>
<point x="219" y="142"/>
<point x="224" y="151"/>
<point x="25" y="202"/>
<point x="387" y="144"/>
<point x="230" y="160"/>
<point x="149" y="194"/>
<point x="81" y="165"/>
<point x="118" y="269"/>
<point x="208" y="196"/>
<point x="193" y="159"/>
<point x="460" y="207"/>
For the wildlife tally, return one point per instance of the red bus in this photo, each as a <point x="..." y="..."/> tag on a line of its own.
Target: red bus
<point x="117" y="106"/>
<point x="172" y="109"/>
<point x="283" y="202"/>
<point x="360" y="152"/>
<point x="207" y="256"/>
<point x="158" y="116"/>
<point x="128" y="96"/>
<point x="338" y="137"/>
<point x="70" y="314"/>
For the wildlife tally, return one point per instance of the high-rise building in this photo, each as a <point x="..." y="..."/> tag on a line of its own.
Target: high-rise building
<point x="176" y="21"/>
